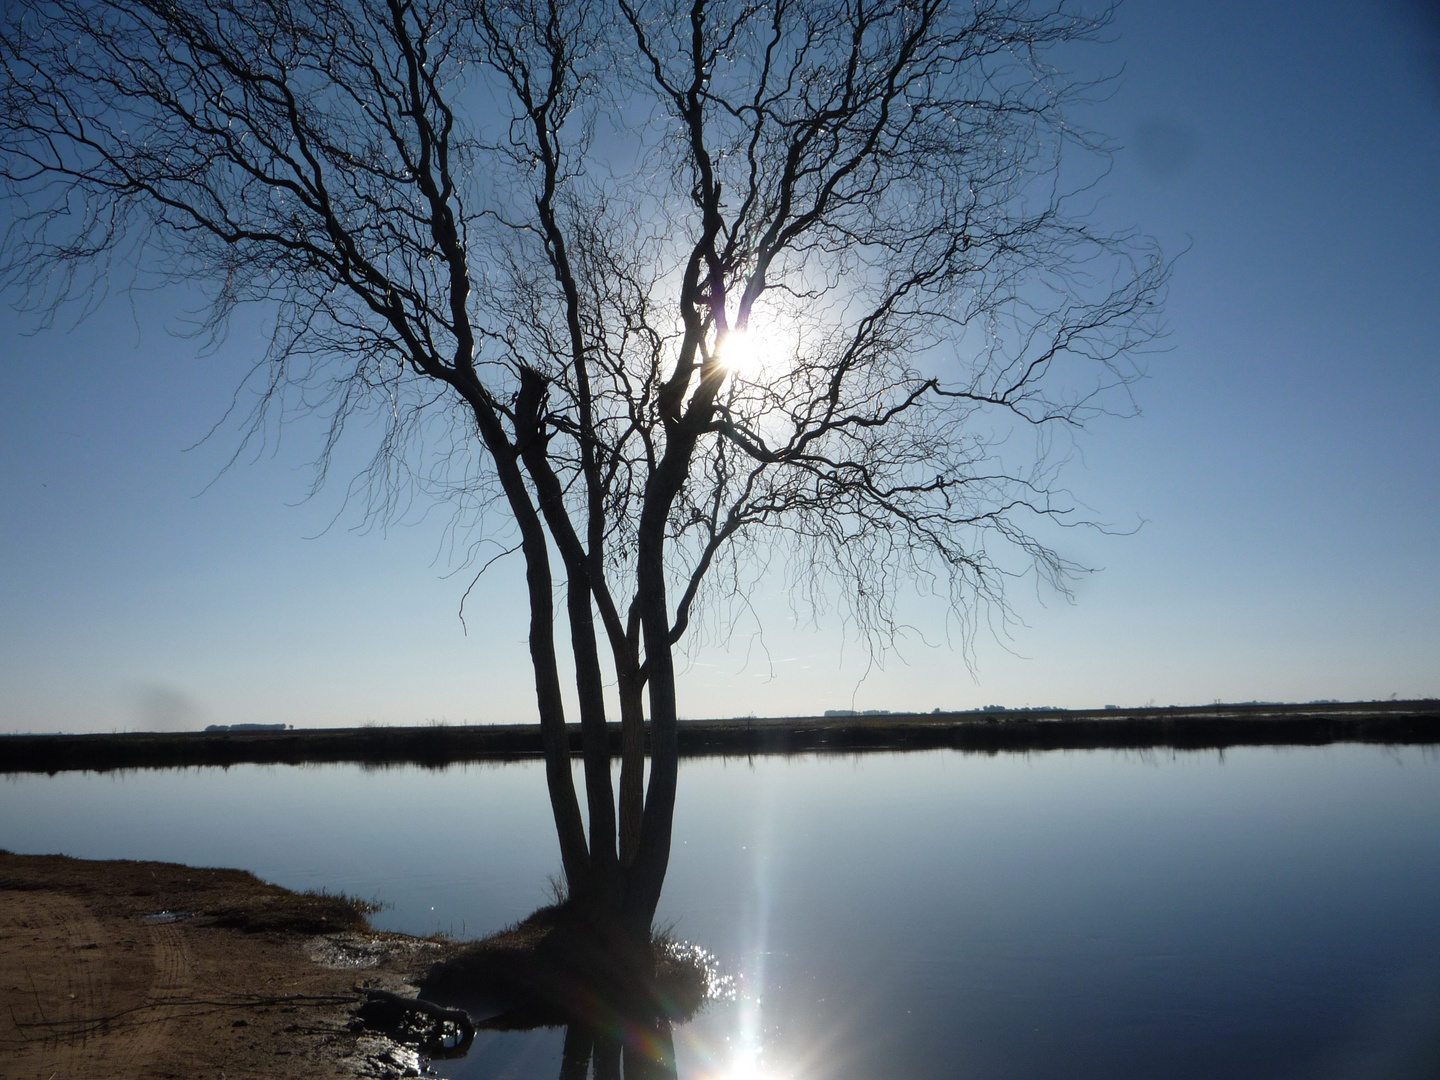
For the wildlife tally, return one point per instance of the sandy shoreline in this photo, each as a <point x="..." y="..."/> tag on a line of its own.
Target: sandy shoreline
<point x="121" y="969"/>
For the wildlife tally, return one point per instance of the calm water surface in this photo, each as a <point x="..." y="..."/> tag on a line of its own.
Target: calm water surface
<point x="1265" y="913"/>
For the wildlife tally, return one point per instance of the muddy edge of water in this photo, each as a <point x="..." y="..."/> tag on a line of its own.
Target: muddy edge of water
<point x="117" y="969"/>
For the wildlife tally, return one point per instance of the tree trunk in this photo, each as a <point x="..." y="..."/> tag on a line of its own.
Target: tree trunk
<point x="603" y="883"/>
<point x="600" y="881"/>
<point x="569" y="827"/>
<point x="632" y="757"/>
<point x="652" y="857"/>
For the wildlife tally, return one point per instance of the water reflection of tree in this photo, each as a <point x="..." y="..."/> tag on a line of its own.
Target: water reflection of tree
<point x="645" y="1050"/>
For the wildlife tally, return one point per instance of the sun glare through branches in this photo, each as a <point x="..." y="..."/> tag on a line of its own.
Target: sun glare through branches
<point x="750" y="355"/>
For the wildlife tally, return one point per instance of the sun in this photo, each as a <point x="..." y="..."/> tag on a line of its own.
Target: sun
<point x="746" y="355"/>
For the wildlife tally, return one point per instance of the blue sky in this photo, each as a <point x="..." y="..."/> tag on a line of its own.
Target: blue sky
<point x="1284" y="468"/>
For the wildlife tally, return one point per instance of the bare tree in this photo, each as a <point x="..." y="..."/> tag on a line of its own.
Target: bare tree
<point x="676" y="284"/>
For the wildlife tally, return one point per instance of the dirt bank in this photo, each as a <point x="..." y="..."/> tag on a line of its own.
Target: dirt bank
<point x="141" y="969"/>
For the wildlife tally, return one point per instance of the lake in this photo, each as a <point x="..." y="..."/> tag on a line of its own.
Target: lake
<point x="1266" y="912"/>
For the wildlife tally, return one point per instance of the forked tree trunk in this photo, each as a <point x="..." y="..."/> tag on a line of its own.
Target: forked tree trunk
<point x="602" y="880"/>
<point x="652" y="856"/>
<point x="569" y="826"/>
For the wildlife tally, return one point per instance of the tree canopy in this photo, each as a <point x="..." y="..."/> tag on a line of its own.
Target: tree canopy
<point x="669" y="285"/>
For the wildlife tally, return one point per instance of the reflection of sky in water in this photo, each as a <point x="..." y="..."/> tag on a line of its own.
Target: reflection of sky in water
<point x="1078" y="915"/>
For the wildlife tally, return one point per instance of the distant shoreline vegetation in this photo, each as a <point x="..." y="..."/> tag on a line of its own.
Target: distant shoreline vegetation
<point x="988" y="730"/>
<point x="830" y="714"/>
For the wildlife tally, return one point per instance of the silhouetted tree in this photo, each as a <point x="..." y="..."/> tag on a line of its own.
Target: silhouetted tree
<point x="553" y="228"/>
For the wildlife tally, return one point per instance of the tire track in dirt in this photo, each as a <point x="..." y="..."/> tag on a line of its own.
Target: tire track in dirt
<point x="85" y="995"/>
<point x="96" y="1023"/>
<point x="64" y="968"/>
<point x="173" y="981"/>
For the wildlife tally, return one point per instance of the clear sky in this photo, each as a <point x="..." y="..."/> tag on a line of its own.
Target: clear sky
<point x="1286" y="467"/>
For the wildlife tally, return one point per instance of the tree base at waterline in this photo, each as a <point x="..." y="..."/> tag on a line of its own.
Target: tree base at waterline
<point x="564" y="965"/>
